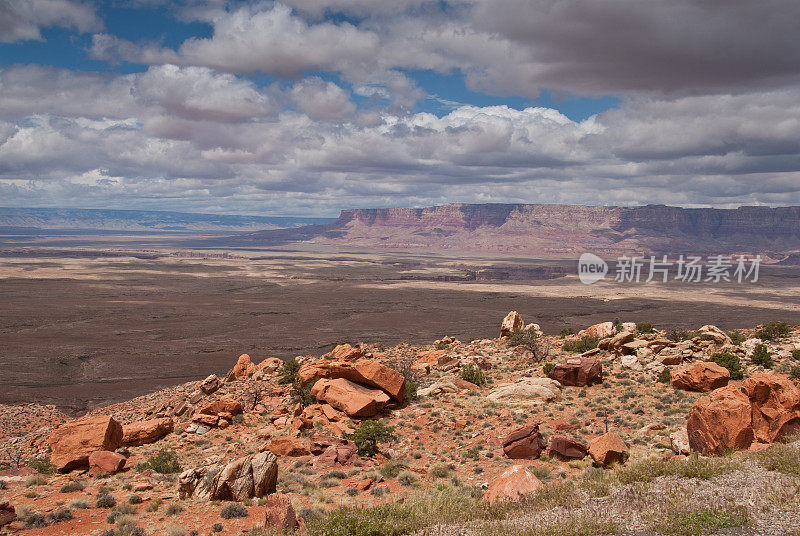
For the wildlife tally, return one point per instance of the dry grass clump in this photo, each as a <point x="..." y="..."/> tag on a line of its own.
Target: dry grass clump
<point x="692" y="467"/>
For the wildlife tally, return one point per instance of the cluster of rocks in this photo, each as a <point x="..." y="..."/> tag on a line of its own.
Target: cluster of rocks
<point x="527" y="442"/>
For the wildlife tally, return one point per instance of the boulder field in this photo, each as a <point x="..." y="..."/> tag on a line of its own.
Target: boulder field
<point x="364" y="425"/>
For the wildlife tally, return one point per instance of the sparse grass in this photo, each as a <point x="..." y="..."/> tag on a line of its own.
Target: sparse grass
<point x="407" y="478"/>
<point x="779" y="457"/>
<point x="154" y="505"/>
<point x="165" y="461"/>
<point x="391" y="469"/>
<point x="567" y="524"/>
<point x="584" y="344"/>
<point x="72" y="486"/>
<point x="439" y="470"/>
<point x="708" y="520"/>
<point x="173" y="509"/>
<point x="34" y="481"/>
<point x="691" y="467"/>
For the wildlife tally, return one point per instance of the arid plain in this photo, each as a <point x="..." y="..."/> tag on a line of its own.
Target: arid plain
<point x="97" y="320"/>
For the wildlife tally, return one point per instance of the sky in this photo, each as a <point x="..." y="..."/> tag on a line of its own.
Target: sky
<point x="307" y="107"/>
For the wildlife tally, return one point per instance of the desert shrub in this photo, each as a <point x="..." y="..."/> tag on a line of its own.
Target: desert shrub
<point x="773" y="330"/>
<point x="407" y="478"/>
<point x="441" y="345"/>
<point x="761" y="356"/>
<point x="62" y="514"/>
<point x="529" y="339"/>
<point x="584" y="344"/>
<point x="289" y="371"/>
<point x="42" y="465"/>
<point x="72" y="486"/>
<point x="678" y="335"/>
<point x="730" y="362"/>
<point x="135" y="499"/>
<point x="78" y="504"/>
<point x="391" y="469"/>
<point x="32" y="520"/>
<point x="35" y="480"/>
<point x="104" y="500"/>
<point x="217" y="527"/>
<point x="439" y="470"/>
<point x="369" y="434"/>
<point x="233" y="510"/>
<point x="411" y="390"/>
<point x="154" y="505"/>
<point x="548" y="368"/>
<point x="796" y="354"/>
<point x="664" y="376"/>
<point x="566" y="332"/>
<point x="176" y="531"/>
<point x="617" y="324"/>
<point x="736" y="337"/>
<point x="165" y="461"/>
<point x="794" y="373"/>
<point x="473" y="374"/>
<point x="301" y="394"/>
<point x="173" y="509"/>
<point x="779" y="457"/>
<point x="645" y="327"/>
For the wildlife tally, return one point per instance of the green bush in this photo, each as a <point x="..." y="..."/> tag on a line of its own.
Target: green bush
<point x="369" y="434"/>
<point x="529" y="339"/>
<point x="301" y="394"/>
<point x="42" y="465"/>
<point x="289" y="371"/>
<point x="761" y="356"/>
<point x="644" y="327"/>
<point x="165" y="461"/>
<point x="473" y="374"/>
<point x="796" y="354"/>
<point x="617" y="324"/>
<point x="548" y="368"/>
<point x="585" y="344"/>
<point x="736" y="337"/>
<point x="730" y="362"/>
<point x="233" y="510"/>
<point x="566" y="332"/>
<point x="665" y="376"/>
<point x="773" y="330"/>
<point x="441" y="345"/>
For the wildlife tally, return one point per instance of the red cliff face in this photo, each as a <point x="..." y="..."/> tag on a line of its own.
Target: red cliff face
<point x="555" y="230"/>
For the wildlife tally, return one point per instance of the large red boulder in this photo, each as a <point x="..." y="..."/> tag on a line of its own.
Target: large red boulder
<point x="515" y="483"/>
<point x="354" y="399"/>
<point x="720" y="421"/>
<point x="345" y="352"/>
<point x="775" y="403"/>
<point x="567" y="448"/>
<point x="73" y="442"/>
<point x="364" y="371"/>
<point x="608" y="449"/>
<point x="103" y="461"/>
<point x="145" y="432"/>
<point x="7" y="514"/>
<point x="602" y="330"/>
<point x="243" y="368"/>
<point x="578" y="372"/>
<point x="702" y="376"/>
<point x="223" y="405"/>
<point x="525" y="442"/>
<point x="289" y="446"/>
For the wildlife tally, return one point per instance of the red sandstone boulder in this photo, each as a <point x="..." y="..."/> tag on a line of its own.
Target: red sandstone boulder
<point x="608" y="449"/>
<point x="702" y="376"/>
<point x="337" y="455"/>
<point x="145" y="432"/>
<point x="775" y="403"/>
<point x="7" y="514"/>
<point x="512" y="485"/>
<point x="511" y="323"/>
<point x="578" y="372"/>
<point x="524" y="443"/>
<point x="598" y="331"/>
<point x="289" y="447"/>
<point x="74" y="441"/>
<point x="103" y="461"/>
<point x="567" y="448"/>
<point x="345" y="352"/>
<point x="279" y="512"/>
<point x="243" y="368"/>
<point x="223" y="405"/>
<point x="354" y="399"/>
<point x="720" y="421"/>
<point x="363" y="371"/>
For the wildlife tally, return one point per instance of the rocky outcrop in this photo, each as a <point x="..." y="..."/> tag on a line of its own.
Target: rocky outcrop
<point x="598" y="331"/>
<point x="346" y="352"/>
<point x="512" y="485"/>
<point x="280" y="513"/>
<point x="244" y="368"/>
<point x="511" y="323"/>
<point x="608" y="449"/>
<point x="525" y="442"/>
<point x="244" y="478"/>
<point x="145" y="432"/>
<point x="354" y="399"/>
<point x="720" y="421"/>
<point x="567" y="448"/>
<point x="578" y="372"/>
<point x="527" y="392"/>
<point x="775" y="402"/>
<point x="74" y="441"/>
<point x="702" y="377"/>
<point x="363" y="371"/>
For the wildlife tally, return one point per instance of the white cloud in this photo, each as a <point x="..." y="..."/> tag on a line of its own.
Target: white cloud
<point x="22" y="20"/>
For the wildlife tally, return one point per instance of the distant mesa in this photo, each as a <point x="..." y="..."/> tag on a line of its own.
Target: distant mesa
<point x="552" y="231"/>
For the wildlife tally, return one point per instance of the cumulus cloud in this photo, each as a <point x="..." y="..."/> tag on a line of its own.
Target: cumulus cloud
<point x="22" y="20"/>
